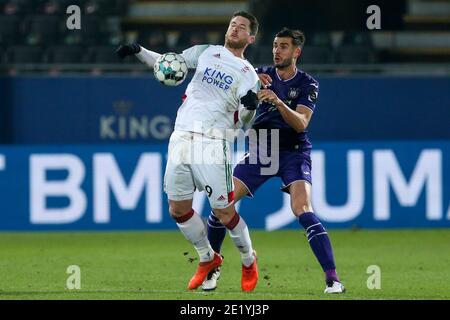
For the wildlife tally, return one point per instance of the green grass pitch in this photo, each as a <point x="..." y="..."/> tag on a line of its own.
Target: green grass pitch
<point x="158" y="265"/>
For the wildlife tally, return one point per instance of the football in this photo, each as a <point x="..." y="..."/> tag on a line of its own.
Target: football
<point x="170" y="69"/>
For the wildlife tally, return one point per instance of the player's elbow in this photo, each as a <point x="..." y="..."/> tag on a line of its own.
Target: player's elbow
<point x="300" y="127"/>
<point x="301" y="124"/>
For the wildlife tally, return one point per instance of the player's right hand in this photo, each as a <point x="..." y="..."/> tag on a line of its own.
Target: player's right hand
<point x="128" y="50"/>
<point x="265" y="79"/>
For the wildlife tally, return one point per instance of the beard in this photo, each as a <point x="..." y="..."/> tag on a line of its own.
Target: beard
<point x="235" y="44"/>
<point x="283" y="64"/>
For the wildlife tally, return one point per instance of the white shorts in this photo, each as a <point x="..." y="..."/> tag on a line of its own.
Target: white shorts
<point x="198" y="161"/>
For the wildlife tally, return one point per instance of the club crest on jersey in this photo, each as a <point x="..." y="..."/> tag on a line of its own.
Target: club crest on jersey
<point x="293" y="93"/>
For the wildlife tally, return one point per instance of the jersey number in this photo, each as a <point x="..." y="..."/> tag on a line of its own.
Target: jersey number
<point x="208" y="190"/>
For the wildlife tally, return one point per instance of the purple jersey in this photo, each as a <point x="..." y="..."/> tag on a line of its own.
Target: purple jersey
<point x="294" y="156"/>
<point x="302" y="89"/>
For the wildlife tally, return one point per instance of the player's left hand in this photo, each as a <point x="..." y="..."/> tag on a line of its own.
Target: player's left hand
<point x="250" y="100"/>
<point x="127" y="50"/>
<point x="268" y="96"/>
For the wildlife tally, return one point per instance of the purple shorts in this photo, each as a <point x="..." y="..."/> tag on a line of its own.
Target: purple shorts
<point x="293" y="166"/>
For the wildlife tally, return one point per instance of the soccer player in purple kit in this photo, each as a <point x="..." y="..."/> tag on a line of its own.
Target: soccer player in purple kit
<point x="287" y="103"/>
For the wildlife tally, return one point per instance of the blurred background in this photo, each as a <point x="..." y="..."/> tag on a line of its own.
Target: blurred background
<point x="414" y="35"/>
<point x="84" y="136"/>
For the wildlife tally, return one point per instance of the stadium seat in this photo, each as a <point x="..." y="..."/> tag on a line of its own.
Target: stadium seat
<point x="2" y="56"/>
<point x="46" y="27"/>
<point x="111" y="7"/>
<point x="9" y="29"/>
<point x="19" y="7"/>
<point x="72" y="37"/>
<point x="114" y="39"/>
<point x="319" y="39"/>
<point x="197" y="38"/>
<point x="65" y="54"/>
<point x="183" y="39"/>
<point x="24" y="54"/>
<point x="157" y="40"/>
<point x="316" y="54"/>
<point x="66" y="3"/>
<point x="91" y="30"/>
<point x="103" y="55"/>
<point x="357" y="38"/>
<point x="49" y="7"/>
<point x="2" y="5"/>
<point x="59" y="7"/>
<point x="355" y="54"/>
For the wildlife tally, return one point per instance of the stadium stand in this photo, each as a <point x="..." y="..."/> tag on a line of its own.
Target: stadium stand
<point x="34" y="31"/>
<point x="24" y="54"/>
<point x="9" y="29"/>
<point x="65" y="54"/>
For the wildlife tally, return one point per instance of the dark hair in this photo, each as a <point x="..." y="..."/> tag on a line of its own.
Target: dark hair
<point x="297" y="36"/>
<point x="253" y="21"/>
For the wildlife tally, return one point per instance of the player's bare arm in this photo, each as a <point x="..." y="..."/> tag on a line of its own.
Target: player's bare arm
<point x="298" y="119"/>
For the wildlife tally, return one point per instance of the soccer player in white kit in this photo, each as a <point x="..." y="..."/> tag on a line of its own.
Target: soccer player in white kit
<point x="220" y="97"/>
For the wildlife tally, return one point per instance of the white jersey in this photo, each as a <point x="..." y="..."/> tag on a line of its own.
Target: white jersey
<point x="212" y="101"/>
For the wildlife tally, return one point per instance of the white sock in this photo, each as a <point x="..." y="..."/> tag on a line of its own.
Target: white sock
<point x="194" y="230"/>
<point x="241" y="238"/>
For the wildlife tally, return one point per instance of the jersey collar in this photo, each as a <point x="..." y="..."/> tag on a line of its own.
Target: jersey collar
<point x="279" y="78"/>
<point x="231" y="54"/>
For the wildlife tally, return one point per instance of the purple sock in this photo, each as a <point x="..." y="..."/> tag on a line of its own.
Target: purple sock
<point x="216" y="232"/>
<point x="320" y="243"/>
<point x="331" y="275"/>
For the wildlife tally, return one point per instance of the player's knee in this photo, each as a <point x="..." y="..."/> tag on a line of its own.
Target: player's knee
<point x="240" y="189"/>
<point x="300" y="208"/>
<point x="225" y="215"/>
<point x="177" y="211"/>
<point x="173" y="212"/>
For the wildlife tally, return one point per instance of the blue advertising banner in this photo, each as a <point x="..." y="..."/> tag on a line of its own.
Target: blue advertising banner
<point x="117" y="187"/>
<point x="117" y="109"/>
<point x="91" y="110"/>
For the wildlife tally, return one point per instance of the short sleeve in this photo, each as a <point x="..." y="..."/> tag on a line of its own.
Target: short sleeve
<point x="308" y="97"/>
<point x="192" y="54"/>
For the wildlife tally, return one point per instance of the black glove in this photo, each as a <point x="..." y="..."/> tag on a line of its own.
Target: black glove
<point x="250" y="100"/>
<point x="128" y="50"/>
